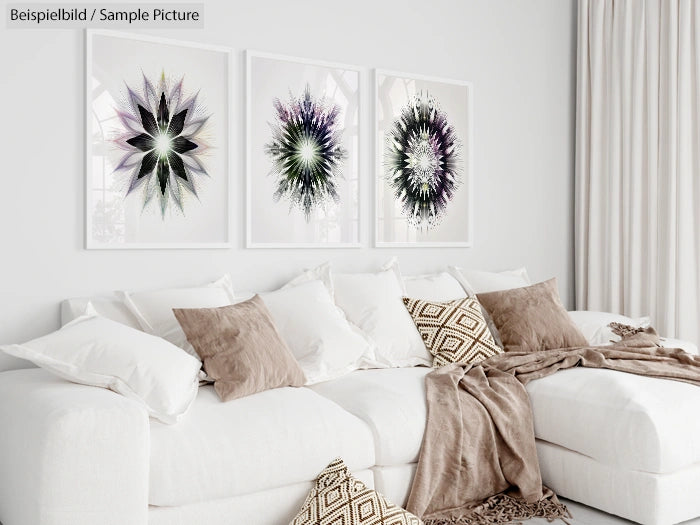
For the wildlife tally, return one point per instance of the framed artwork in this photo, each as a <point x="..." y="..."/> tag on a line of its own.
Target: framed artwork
<point x="303" y="134"/>
<point x="423" y="161"/>
<point x="157" y="166"/>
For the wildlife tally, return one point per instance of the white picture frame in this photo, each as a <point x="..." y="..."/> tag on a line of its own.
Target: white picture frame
<point x="391" y="228"/>
<point x="271" y="224"/>
<point x="124" y="218"/>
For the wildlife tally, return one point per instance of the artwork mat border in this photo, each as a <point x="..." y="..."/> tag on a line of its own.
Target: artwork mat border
<point x="377" y="163"/>
<point x="250" y="54"/>
<point x="89" y="243"/>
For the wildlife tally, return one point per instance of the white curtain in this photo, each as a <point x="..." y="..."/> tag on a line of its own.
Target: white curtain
<point x="638" y="161"/>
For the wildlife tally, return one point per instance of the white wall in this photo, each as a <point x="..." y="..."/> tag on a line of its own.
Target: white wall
<point x="519" y="54"/>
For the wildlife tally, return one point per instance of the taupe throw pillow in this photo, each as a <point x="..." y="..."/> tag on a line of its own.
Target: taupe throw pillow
<point x="532" y="318"/>
<point x="338" y="498"/>
<point x="240" y="348"/>
<point x="453" y="331"/>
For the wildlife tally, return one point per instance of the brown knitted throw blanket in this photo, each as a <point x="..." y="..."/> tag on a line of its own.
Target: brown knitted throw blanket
<point x="478" y="463"/>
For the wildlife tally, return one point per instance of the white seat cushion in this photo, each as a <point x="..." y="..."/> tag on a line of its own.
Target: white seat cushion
<point x="391" y="402"/>
<point x="266" y="507"/>
<point x="630" y="421"/>
<point x="395" y="482"/>
<point x="267" y="440"/>
<point x="619" y="419"/>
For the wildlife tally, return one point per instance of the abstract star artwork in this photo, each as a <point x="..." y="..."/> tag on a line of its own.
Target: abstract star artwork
<point x="303" y="153"/>
<point x="423" y="161"/>
<point x="306" y="152"/>
<point x="157" y="143"/>
<point x="161" y="140"/>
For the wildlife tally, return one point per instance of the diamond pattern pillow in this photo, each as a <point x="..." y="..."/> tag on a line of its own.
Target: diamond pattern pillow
<point x="340" y="499"/>
<point x="453" y="331"/>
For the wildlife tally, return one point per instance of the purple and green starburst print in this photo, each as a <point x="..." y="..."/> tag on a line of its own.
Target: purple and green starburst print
<point x="422" y="161"/>
<point x="161" y="136"/>
<point x="306" y="152"/>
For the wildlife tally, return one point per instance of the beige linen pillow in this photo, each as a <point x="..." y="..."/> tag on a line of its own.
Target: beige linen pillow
<point x="339" y="498"/>
<point x="453" y="331"/>
<point x="532" y="318"/>
<point x="240" y="348"/>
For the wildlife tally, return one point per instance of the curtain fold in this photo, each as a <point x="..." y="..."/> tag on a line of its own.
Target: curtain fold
<point x="637" y="227"/>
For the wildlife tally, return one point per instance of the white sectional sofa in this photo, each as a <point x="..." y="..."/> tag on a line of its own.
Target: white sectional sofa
<point x="72" y="454"/>
<point x="78" y="455"/>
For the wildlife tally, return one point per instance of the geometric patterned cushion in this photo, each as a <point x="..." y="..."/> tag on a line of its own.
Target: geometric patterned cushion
<point x="339" y="499"/>
<point x="453" y="331"/>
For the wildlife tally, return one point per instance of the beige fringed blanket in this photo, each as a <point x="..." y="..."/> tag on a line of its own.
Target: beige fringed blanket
<point x="478" y="463"/>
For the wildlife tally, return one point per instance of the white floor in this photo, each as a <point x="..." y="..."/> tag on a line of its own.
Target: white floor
<point x="583" y="515"/>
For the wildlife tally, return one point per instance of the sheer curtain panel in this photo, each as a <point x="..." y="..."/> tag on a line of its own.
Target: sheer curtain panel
<point x="637" y="230"/>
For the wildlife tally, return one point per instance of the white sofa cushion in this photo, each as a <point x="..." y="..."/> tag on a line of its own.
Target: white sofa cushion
<point x="477" y="281"/>
<point x="325" y="345"/>
<point x="96" y="351"/>
<point x="630" y="421"/>
<point x="619" y="419"/>
<point x="433" y="287"/>
<point x="391" y="402"/>
<point x="373" y="302"/>
<point x="110" y="306"/>
<point x="322" y="273"/>
<point x="154" y="308"/>
<point x="267" y="440"/>
<point x="395" y="481"/>
<point x="265" y="507"/>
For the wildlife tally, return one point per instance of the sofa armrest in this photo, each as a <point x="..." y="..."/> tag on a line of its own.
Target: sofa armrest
<point x="70" y="454"/>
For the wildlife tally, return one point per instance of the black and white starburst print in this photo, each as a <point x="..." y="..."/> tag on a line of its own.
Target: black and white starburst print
<point x="422" y="161"/>
<point x="161" y="135"/>
<point x="306" y="152"/>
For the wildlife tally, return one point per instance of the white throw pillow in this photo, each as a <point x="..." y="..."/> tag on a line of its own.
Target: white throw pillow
<point x="594" y="325"/>
<point x="321" y="273"/>
<point x="110" y="306"/>
<point x="95" y="351"/>
<point x="433" y="287"/>
<point x="373" y="302"/>
<point x="325" y="345"/>
<point x="475" y="281"/>
<point x="154" y="309"/>
<point x="393" y="265"/>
